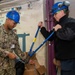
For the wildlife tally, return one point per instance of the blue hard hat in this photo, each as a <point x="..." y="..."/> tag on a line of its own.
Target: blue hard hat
<point x="13" y="15"/>
<point x="57" y="7"/>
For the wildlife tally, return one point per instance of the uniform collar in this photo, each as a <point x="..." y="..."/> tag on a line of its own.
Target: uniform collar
<point x="63" y="19"/>
<point x="10" y="31"/>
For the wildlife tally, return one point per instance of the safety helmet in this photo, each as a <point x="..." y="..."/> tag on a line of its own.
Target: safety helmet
<point x="13" y="15"/>
<point x="59" y="6"/>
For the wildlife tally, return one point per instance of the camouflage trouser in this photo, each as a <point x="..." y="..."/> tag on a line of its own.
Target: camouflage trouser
<point x="11" y="71"/>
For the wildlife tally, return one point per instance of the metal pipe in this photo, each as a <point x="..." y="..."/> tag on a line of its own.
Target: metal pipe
<point x="50" y="24"/>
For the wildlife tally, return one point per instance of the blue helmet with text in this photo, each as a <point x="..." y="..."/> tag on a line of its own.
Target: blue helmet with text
<point x="13" y="15"/>
<point x="59" y="6"/>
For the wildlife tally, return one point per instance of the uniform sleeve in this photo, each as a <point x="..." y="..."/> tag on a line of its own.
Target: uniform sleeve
<point x="3" y="53"/>
<point x="18" y="50"/>
<point x="45" y="33"/>
<point x="67" y="33"/>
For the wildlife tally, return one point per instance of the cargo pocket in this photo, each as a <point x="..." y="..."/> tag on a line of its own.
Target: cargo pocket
<point x="67" y="65"/>
<point x="2" y="72"/>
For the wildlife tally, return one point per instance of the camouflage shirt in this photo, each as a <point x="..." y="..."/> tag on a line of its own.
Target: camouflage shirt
<point x="8" y="42"/>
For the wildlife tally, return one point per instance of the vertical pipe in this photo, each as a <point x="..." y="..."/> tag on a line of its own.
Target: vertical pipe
<point x="50" y="24"/>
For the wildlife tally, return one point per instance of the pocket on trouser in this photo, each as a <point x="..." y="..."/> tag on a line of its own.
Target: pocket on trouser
<point x="69" y="72"/>
<point x="67" y="65"/>
<point x="11" y="71"/>
<point x="2" y="72"/>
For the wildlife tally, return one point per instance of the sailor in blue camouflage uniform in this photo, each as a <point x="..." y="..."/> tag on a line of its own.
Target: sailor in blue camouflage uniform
<point x="9" y="45"/>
